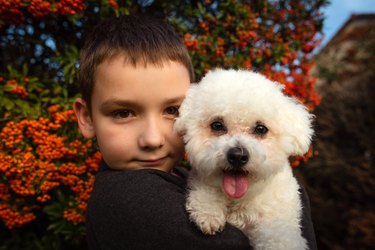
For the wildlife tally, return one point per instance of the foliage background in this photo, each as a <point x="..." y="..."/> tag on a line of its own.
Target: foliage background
<point x="46" y="168"/>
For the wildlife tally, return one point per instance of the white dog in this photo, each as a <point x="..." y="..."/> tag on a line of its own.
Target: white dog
<point x="240" y="129"/>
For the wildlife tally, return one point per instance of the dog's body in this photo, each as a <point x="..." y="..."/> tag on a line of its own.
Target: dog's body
<point x="239" y="131"/>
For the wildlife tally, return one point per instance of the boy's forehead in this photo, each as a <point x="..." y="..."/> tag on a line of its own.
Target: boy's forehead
<point x="141" y="62"/>
<point x="118" y="81"/>
<point x="121" y="60"/>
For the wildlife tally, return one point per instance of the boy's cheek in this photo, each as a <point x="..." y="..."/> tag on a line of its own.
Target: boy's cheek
<point x="178" y="138"/>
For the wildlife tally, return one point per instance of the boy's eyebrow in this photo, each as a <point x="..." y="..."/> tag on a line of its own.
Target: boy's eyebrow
<point x="175" y="99"/>
<point x="126" y="103"/>
<point x="117" y="102"/>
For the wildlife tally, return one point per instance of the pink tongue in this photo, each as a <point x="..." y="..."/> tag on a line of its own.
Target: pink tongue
<point x="235" y="184"/>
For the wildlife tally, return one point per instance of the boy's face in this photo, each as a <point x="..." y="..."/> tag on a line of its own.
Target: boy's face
<point x="133" y="113"/>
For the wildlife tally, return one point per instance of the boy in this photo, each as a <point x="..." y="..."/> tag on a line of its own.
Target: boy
<point x="134" y="74"/>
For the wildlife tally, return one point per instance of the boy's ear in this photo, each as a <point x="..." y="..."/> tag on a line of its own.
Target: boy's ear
<point x="84" y="118"/>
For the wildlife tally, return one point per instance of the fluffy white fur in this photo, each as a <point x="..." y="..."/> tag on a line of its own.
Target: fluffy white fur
<point x="269" y="212"/>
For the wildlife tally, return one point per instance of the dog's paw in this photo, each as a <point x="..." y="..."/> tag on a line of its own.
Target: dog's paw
<point x="208" y="223"/>
<point x="206" y="210"/>
<point x="238" y="220"/>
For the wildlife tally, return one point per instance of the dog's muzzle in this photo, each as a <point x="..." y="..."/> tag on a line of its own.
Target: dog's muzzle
<point x="238" y="156"/>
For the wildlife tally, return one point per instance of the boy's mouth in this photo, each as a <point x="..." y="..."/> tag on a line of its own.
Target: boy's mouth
<point x="152" y="161"/>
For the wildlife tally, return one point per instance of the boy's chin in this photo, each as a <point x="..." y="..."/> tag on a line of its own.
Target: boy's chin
<point x="165" y="164"/>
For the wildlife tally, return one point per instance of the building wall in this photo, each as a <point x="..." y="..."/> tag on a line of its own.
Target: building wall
<point x="341" y="179"/>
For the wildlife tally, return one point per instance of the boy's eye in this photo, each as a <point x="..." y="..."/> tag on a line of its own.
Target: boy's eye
<point x="172" y="111"/>
<point x="121" y="114"/>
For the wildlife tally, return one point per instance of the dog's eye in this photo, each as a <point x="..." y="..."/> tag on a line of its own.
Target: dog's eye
<point x="218" y="126"/>
<point x="260" y="130"/>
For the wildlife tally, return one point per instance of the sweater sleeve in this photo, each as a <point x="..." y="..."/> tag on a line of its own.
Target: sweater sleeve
<point x="306" y="222"/>
<point x="145" y="209"/>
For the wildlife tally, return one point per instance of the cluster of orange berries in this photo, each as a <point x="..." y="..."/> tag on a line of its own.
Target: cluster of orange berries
<point x="70" y="7"/>
<point x="35" y="162"/>
<point x="190" y="42"/>
<point x="40" y="8"/>
<point x="297" y="160"/>
<point x="73" y="216"/>
<point x="14" y="11"/>
<point x="17" y="89"/>
<point x="219" y="51"/>
<point x="304" y="90"/>
<point x="12" y="218"/>
<point x="244" y="37"/>
<point x="204" y="26"/>
<point x="10" y="12"/>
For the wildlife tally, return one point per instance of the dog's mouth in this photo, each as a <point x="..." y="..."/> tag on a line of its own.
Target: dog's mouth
<point x="235" y="183"/>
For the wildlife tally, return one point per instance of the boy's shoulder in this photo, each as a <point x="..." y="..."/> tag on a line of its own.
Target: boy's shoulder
<point x="144" y="175"/>
<point x="125" y="182"/>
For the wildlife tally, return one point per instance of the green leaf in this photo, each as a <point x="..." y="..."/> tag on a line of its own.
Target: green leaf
<point x="201" y="8"/>
<point x="9" y="88"/>
<point x="57" y="90"/>
<point x="25" y="69"/>
<point x="9" y="105"/>
<point x="55" y="210"/>
<point x="65" y="92"/>
<point x="33" y="79"/>
<point x="45" y="92"/>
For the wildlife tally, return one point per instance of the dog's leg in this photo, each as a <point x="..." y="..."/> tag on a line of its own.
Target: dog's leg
<point x="273" y="218"/>
<point x="276" y="235"/>
<point x="238" y="216"/>
<point x="206" y="208"/>
<point x="278" y="225"/>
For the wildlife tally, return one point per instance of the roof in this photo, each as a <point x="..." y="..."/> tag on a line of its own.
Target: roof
<point x="354" y="22"/>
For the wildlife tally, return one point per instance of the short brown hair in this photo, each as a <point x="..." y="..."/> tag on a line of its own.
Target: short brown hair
<point x="141" y="39"/>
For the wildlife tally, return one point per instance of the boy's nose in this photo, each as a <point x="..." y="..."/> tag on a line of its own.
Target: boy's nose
<point x="152" y="136"/>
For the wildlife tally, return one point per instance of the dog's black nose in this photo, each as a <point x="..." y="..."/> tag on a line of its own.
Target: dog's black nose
<point x="238" y="156"/>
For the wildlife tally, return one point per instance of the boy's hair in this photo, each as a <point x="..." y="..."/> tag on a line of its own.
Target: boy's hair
<point x="140" y="39"/>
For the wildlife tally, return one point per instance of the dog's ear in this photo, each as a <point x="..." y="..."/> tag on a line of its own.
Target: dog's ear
<point x="298" y="124"/>
<point x="186" y="110"/>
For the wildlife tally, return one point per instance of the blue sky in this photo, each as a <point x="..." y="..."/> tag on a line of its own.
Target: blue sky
<point x="339" y="11"/>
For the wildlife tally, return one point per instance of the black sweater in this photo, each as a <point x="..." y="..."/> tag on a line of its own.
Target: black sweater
<point x="145" y="209"/>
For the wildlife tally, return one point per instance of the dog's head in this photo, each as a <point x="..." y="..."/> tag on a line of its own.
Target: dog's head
<point x="239" y="126"/>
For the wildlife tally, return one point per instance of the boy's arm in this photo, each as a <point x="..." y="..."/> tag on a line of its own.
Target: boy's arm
<point x="145" y="209"/>
<point x="306" y="222"/>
